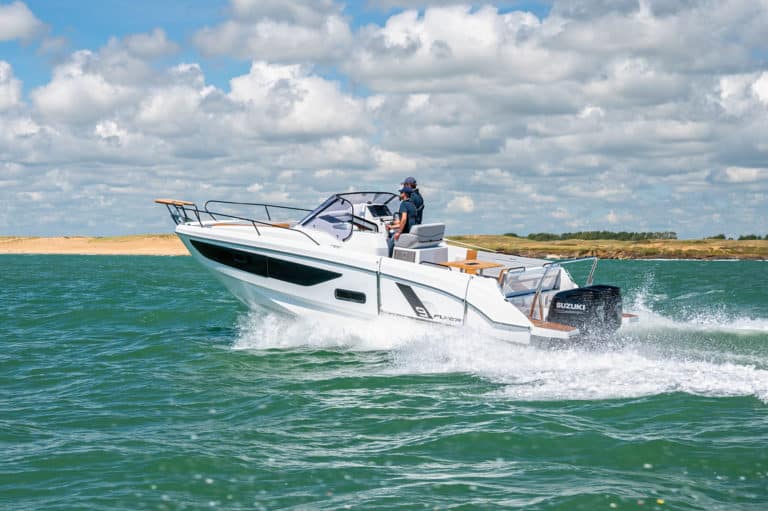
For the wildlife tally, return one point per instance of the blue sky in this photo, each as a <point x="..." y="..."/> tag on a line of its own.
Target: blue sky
<point x="91" y="23"/>
<point x="516" y="116"/>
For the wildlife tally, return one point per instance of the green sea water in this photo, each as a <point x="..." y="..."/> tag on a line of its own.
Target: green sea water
<point x="139" y="383"/>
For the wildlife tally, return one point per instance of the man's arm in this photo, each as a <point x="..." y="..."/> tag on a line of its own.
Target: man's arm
<point x="395" y="223"/>
<point x="403" y="223"/>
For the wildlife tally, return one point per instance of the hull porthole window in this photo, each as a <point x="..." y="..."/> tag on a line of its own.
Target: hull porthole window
<point x="349" y="296"/>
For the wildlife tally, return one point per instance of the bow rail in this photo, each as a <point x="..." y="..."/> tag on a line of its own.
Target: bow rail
<point x="183" y="211"/>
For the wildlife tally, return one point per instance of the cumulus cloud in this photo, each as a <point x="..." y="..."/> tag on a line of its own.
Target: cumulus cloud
<point x="452" y="48"/>
<point x="742" y="174"/>
<point x="89" y="84"/>
<point x="285" y="31"/>
<point x="18" y="22"/>
<point x="76" y="94"/>
<point x="302" y="12"/>
<point x="10" y="87"/>
<point x="644" y="115"/>
<point x="154" y="44"/>
<point x="462" y="203"/>
<point x="287" y="99"/>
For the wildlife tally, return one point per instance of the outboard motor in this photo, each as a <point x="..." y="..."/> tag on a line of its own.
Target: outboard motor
<point x="592" y="309"/>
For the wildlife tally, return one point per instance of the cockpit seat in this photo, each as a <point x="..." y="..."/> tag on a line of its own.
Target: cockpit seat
<point x="422" y="236"/>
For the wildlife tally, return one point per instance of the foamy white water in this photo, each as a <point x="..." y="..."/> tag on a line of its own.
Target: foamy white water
<point x="627" y="368"/>
<point x="269" y="330"/>
<point x="704" y="320"/>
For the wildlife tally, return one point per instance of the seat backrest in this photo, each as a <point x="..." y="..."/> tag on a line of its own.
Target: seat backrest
<point x="429" y="232"/>
<point x="422" y="236"/>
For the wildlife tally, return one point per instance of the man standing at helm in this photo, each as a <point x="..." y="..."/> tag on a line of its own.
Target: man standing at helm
<point x="405" y="220"/>
<point x="416" y="197"/>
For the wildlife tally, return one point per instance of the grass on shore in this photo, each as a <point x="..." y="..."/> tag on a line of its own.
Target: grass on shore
<point x="615" y="249"/>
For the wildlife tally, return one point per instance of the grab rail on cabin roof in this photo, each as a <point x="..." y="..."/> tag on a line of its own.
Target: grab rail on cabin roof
<point x="182" y="209"/>
<point x="265" y="206"/>
<point x="356" y="221"/>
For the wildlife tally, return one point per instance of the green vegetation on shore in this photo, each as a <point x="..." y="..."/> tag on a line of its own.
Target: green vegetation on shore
<point x="622" y="236"/>
<point x="622" y="249"/>
<point x="599" y="235"/>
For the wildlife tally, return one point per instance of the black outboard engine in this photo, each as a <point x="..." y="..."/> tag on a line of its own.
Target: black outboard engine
<point x="592" y="309"/>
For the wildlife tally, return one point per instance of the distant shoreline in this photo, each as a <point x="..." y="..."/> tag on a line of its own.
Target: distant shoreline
<point x="140" y="244"/>
<point x="709" y="249"/>
<point x="170" y="245"/>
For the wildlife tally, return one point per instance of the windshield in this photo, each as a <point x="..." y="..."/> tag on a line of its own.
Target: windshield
<point x="355" y="198"/>
<point x="335" y="216"/>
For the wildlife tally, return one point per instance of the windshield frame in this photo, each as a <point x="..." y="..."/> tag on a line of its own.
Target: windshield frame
<point x="343" y="199"/>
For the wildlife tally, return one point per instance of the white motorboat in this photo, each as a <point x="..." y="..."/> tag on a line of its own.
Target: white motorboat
<point x="334" y="260"/>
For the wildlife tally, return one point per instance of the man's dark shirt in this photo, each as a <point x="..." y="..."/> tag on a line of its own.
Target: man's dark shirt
<point x="418" y="202"/>
<point x="407" y="206"/>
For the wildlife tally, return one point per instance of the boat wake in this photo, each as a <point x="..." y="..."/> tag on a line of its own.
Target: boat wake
<point x="717" y="319"/>
<point x="262" y="330"/>
<point x="650" y="358"/>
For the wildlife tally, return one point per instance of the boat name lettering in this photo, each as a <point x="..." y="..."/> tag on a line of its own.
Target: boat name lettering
<point x="446" y="318"/>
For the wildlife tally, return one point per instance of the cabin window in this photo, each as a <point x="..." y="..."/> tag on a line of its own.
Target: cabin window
<point x="300" y="274"/>
<point x="265" y="266"/>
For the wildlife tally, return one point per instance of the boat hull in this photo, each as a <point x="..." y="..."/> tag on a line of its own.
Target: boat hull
<point x="326" y="282"/>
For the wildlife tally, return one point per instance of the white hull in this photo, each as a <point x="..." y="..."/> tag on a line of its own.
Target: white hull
<point x="335" y="261"/>
<point x="383" y="286"/>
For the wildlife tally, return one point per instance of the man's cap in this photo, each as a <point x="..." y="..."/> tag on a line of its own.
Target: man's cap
<point x="410" y="181"/>
<point x="406" y="189"/>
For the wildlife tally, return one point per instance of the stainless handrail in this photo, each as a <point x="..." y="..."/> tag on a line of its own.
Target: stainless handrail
<point x="558" y="264"/>
<point x="182" y="210"/>
<point x="356" y="220"/>
<point x="592" y="272"/>
<point x="537" y="296"/>
<point x="594" y="260"/>
<point x="505" y="271"/>
<point x="253" y="222"/>
<point x="266" y="206"/>
<point x="569" y="261"/>
<point x="441" y="266"/>
<point x="351" y="212"/>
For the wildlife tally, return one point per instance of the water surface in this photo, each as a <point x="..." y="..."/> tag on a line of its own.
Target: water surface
<point x="140" y="383"/>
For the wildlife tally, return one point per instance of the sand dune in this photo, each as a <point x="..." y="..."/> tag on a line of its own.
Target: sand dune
<point x="148" y="244"/>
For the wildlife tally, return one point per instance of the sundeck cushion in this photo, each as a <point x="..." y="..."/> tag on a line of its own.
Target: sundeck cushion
<point x="422" y="236"/>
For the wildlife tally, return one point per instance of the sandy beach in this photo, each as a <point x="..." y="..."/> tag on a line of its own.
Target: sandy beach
<point x="146" y="244"/>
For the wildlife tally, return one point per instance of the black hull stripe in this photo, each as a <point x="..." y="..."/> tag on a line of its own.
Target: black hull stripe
<point x="414" y="301"/>
<point x="265" y="266"/>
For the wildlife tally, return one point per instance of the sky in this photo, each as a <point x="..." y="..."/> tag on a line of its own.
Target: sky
<point x="514" y="116"/>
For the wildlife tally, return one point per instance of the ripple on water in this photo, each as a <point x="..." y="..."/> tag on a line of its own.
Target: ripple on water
<point x="140" y="384"/>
